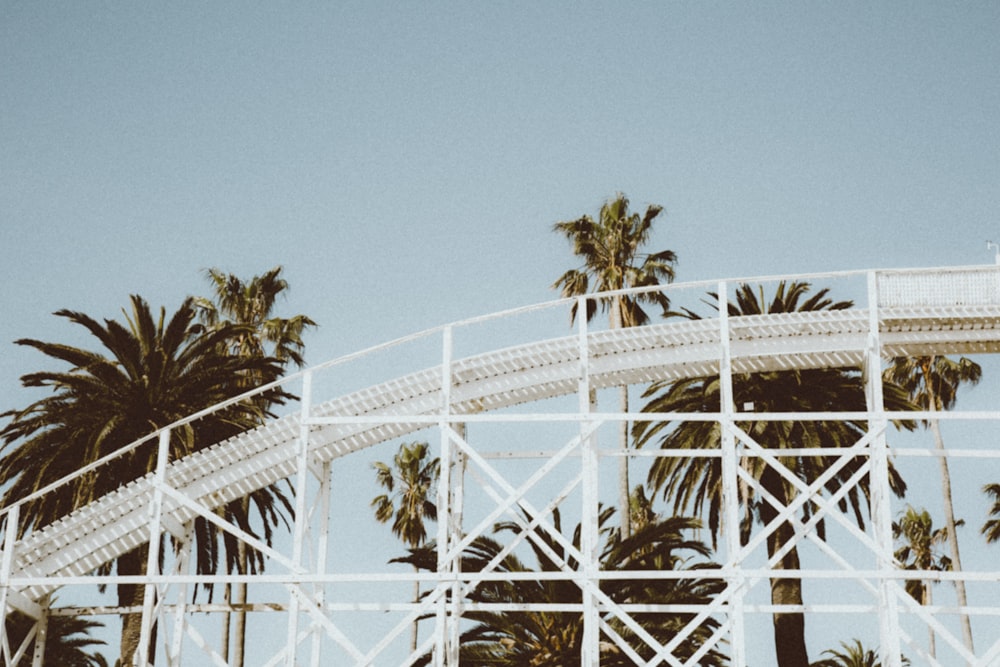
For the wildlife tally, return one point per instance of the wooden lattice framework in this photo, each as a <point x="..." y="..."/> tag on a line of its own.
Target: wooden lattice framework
<point x="900" y="313"/>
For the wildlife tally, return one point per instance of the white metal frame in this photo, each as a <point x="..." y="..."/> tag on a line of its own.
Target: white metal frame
<point x="929" y="311"/>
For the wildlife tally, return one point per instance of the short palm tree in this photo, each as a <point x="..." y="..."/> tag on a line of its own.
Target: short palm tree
<point x="611" y="248"/>
<point x="695" y="483"/>
<point x="852" y="655"/>
<point x="410" y="484"/>
<point x="918" y="551"/>
<point x="661" y="544"/>
<point x="932" y="383"/>
<point x="991" y="529"/>
<point x="250" y="305"/>
<point x="641" y="507"/>
<point x="553" y="638"/>
<point x="68" y="642"/>
<point x="152" y="372"/>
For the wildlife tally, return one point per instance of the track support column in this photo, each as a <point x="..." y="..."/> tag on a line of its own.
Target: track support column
<point x="590" y="532"/>
<point x="323" y="539"/>
<point x="456" y="499"/>
<point x="6" y="560"/>
<point x="41" y="634"/>
<point x="881" y="511"/>
<point x="153" y="556"/>
<point x="183" y="565"/>
<point x="446" y="629"/>
<point x="301" y="514"/>
<point x="730" y="487"/>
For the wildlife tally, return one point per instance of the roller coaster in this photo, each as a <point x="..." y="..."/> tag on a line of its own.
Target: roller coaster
<point x="514" y="405"/>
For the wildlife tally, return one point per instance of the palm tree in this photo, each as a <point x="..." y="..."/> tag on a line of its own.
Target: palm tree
<point x="641" y="507"/>
<point x="695" y="483"/>
<point x="918" y="552"/>
<point x="991" y="529"/>
<point x="250" y="305"/>
<point x="153" y="372"/>
<point x="552" y="638"/>
<point x="409" y="483"/>
<point x="852" y="655"/>
<point x="659" y="544"/>
<point x="67" y="642"/>
<point x="932" y="383"/>
<point x="611" y="248"/>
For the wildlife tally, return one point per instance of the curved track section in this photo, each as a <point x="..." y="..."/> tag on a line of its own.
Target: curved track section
<point x="908" y="314"/>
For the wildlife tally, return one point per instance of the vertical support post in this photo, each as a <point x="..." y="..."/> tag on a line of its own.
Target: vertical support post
<point x="442" y="628"/>
<point x="153" y="555"/>
<point x="441" y="625"/>
<point x="590" y="650"/>
<point x="183" y="563"/>
<point x="322" y="543"/>
<point x="881" y="511"/>
<point x="6" y="561"/>
<point x="301" y="515"/>
<point x="456" y="501"/>
<point x="41" y="634"/>
<point x="730" y="486"/>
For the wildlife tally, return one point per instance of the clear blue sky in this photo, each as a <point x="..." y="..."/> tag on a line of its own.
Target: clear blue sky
<point x="405" y="161"/>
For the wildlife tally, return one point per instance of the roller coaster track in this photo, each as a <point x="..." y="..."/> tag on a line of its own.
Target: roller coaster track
<point x="909" y="313"/>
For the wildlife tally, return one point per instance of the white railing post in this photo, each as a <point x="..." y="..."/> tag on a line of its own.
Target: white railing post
<point x="590" y="530"/>
<point x="301" y="515"/>
<point x="456" y="500"/>
<point x="153" y="555"/>
<point x="41" y="634"/>
<point x="446" y="630"/>
<point x="730" y="486"/>
<point x="322" y="541"/>
<point x="881" y="511"/>
<point x="183" y="563"/>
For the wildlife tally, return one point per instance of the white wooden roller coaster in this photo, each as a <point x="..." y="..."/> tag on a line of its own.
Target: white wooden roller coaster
<point x="317" y="604"/>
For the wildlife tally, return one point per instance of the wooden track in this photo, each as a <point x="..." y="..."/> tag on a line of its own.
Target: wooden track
<point x="100" y="532"/>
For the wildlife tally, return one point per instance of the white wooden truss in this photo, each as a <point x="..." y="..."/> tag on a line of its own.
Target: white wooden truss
<point x="899" y="313"/>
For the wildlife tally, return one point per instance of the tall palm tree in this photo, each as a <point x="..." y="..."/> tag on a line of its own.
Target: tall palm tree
<point x="612" y="250"/>
<point x="546" y="638"/>
<point x="991" y="529"/>
<point x="932" y="383"/>
<point x="852" y="655"/>
<point x="410" y="484"/>
<point x="918" y="551"/>
<point x="67" y="642"/>
<point x="250" y="305"/>
<point x="151" y="373"/>
<point x="695" y="483"/>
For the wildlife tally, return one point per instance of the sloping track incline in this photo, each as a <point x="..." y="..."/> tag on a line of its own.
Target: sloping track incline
<point x="102" y="531"/>
<point x="910" y="313"/>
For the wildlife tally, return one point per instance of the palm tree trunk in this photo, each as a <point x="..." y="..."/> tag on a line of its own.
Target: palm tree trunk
<point x="789" y="627"/>
<point x="949" y="519"/>
<point x="623" y="440"/>
<point x="131" y="595"/>
<point x="931" y="639"/>
<point x="234" y="623"/>
<point x="624" y="497"/>
<point x="240" y="617"/>
<point x="933" y="405"/>
<point x="416" y="598"/>
<point x="227" y="598"/>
